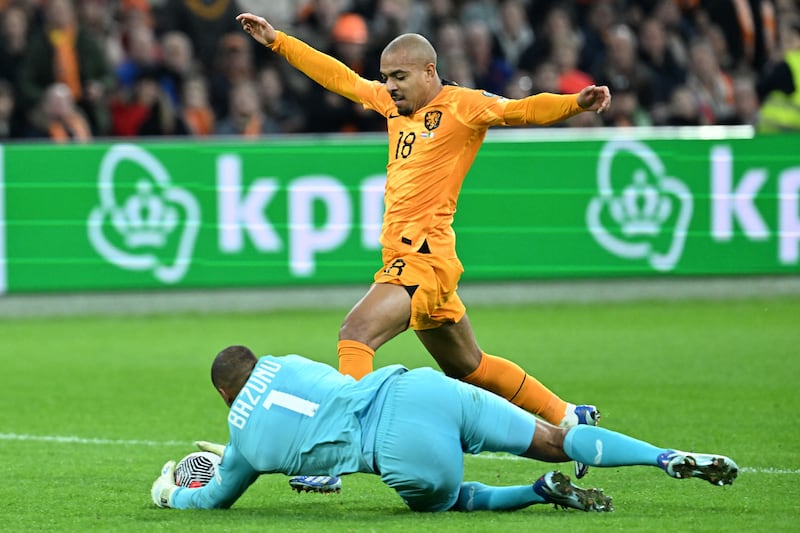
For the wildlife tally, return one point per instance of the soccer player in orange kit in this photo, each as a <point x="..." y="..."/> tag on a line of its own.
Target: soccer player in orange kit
<point x="435" y="129"/>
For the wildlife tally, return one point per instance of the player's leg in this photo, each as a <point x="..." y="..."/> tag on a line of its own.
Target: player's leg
<point x="553" y="487"/>
<point x="491" y="424"/>
<point x="417" y="442"/>
<point x="605" y="448"/>
<point x="457" y="352"/>
<point x="379" y="316"/>
<point x="602" y="447"/>
<point x="419" y="451"/>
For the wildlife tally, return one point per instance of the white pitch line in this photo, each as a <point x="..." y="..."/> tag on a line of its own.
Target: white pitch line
<point x="70" y="439"/>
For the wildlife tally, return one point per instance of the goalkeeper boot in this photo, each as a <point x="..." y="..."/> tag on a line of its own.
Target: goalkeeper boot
<point x="716" y="469"/>
<point x="323" y="484"/>
<point x="556" y="488"/>
<point x="576" y="415"/>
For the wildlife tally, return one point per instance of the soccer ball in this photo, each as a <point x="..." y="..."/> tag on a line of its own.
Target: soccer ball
<point x="196" y="469"/>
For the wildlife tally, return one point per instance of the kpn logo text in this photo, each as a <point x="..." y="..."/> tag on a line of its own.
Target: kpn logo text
<point x="146" y="222"/>
<point x="643" y="212"/>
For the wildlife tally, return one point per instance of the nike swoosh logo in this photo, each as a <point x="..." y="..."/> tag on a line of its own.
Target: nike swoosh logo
<point x="393" y="116"/>
<point x="598" y="444"/>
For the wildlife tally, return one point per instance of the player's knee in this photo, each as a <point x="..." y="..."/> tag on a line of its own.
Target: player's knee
<point x="354" y="328"/>
<point x="430" y="497"/>
<point x="548" y="443"/>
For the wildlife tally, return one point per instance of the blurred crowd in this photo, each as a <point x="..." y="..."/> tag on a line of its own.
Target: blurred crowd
<point x="74" y="70"/>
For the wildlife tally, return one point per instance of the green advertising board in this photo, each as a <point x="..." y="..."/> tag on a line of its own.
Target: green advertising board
<point x="110" y="216"/>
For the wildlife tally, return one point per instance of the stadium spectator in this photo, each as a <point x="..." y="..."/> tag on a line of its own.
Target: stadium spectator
<point x="178" y="63"/>
<point x="621" y="70"/>
<point x="315" y="22"/>
<point x="626" y="112"/>
<point x="14" y="34"/>
<point x="146" y="110"/>
<point x="58" y="117"/>
<point x="62" y="52"/>
<point x="712" y="86"/>
<point x="570" y="78"/>
<point x="546" y="78"/>
<point x="141" y="54"/>
<point x="100" y="19"/>
<point x="777" y="89"/>
<point x="329" y="112"/>
<point x="458" y="70"/>
<point x="490" y="70"/>
<point x="245" y="117"/>
<point x="557" y="26"/>
<point x="745" y="102"/>
<point x="519" y="86"/>
<point x="440" y="11"/>
<point x="195" y="108"/>
<point x="678" y="27"/>
<point x="284" y="11"/>
<point x="668" y="73"/>
<point x="741" y="33"/>
<point x="684" y="110"/>
<point x="416" y="286"/>
<point x="450" y="43"/>
<point x="411" y="427"/>
<point x="393" y="17"/>
<point x="748" y="29"/>
<point x="594" y="27"/>
<point x="277" y="103"/>
<point x="514" y="34"/>
<point x="484" y="10"/>
<point x="11" y="127"/>
<point x="205" y="22"/>
<point x="233" y="65"/>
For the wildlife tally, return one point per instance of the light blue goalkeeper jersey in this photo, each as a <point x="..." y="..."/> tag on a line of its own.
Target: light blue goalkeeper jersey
<point x="297" y="417"/>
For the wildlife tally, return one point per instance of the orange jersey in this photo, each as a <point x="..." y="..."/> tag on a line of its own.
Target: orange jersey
<point x="431" y="151"/>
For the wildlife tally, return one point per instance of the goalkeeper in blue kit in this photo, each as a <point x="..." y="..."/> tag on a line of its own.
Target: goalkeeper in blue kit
<point x="291" y="415"/>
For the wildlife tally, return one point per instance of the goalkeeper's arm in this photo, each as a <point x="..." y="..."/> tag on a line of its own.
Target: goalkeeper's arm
<point x="233" y="477"/>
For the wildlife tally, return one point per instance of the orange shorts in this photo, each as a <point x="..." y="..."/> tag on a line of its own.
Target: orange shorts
<point x="434" y="301"/>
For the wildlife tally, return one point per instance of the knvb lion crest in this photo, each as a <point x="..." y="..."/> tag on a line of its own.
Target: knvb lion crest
<point x="432" y="119"/>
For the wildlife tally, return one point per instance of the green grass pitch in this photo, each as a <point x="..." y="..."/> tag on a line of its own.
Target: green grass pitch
<point x="91" y="407"/>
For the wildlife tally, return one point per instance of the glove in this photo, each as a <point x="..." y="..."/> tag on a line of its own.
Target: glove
<point x="204" y="446"/>
<point x="164" y="486"/>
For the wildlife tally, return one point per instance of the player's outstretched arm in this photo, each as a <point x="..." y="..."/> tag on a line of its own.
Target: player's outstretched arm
<point x="258" y="28"/>
<point x="320" y="67"/>
<point x="595" y="98"/>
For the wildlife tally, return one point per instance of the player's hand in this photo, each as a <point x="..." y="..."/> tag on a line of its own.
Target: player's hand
<point x="258" y="28"/>
<point x="164" y="486"/>
<point x="594" y="98"/>
<point x="212" y="447"/>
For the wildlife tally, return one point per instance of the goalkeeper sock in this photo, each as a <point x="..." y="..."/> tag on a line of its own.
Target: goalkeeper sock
<point x="355" y="358"/>
<point x="596" y="446"/>
<point x="508" y="380"/>
<point x="476" y="496"/>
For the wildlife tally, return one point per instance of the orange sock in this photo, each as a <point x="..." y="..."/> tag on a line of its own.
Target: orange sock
<point x="355" y="358"/>
<point x="508" y="380"/>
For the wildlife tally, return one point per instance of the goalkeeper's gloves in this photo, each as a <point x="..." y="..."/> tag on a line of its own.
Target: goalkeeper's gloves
<point x="212" y="447"/>
<point x="164" y="487"/>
